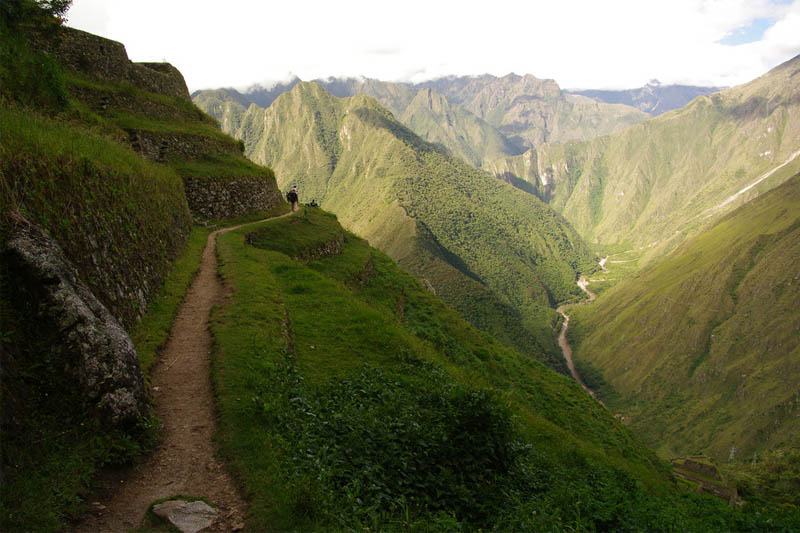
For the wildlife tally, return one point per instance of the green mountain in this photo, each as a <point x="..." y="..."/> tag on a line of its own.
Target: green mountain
<point x="478" y="119"/>
<point x="531" y="111"/>
<point x="464" y="135"/>
<point x="349" y="397"/>
<point x="657" y="181"/>
<point x="426" y="113"/>
<point x="699" y="351"/>
<point x="496" y="254"/>
<point x="395" y="97"/>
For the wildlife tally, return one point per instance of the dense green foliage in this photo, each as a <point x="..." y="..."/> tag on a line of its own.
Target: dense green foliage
<point x="392" y="413"/>
<point x="701" y="348"/>
<point x="774" y="477"/>
<point x="499" y="256"/>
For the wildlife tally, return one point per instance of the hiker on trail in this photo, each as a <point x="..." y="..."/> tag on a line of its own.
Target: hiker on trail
<point x="292" y="197"/>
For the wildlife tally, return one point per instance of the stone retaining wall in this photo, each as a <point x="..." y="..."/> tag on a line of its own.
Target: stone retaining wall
<point x="107" y="60"/>
<point x="101" y="101"/>
<point x="326" y="249"/>
<point x="233" y="197"/>
<point x="160" y="147"/>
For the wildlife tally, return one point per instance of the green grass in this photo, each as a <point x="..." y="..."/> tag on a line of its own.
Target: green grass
<point x="219" y="167"/>
<point x="175" y="107"/>
<point x="350" y="397"/>
<point x="309" y="229"/>
<point x="131" y="121"/>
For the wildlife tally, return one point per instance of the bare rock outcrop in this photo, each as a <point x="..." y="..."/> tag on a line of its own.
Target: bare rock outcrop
<point x="92" y="345"/>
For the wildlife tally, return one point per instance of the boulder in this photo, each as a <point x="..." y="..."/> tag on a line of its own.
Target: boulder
<point x="188" y="517"/>
<point x="95" y="349"/>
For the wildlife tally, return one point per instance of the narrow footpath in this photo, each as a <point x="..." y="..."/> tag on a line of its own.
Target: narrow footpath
<point x="184" y="462"/>
<point x="583" y="283"/>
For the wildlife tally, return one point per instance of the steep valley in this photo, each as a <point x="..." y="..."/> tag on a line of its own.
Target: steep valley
<point x="699" y="351"/>
<point x="645" y="191"/>
<point x="389" y="360"/>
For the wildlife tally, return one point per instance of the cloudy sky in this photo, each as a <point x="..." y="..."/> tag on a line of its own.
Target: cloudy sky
<point x="579" y="43"/>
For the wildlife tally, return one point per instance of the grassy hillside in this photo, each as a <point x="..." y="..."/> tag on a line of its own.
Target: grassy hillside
<point x="700" y="350"/>
<point x="392" y="413"/>
<point x="496" y="254"/>
<point x="658" y="181"/>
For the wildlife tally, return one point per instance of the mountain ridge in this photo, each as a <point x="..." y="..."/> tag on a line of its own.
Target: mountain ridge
<point x="356" y="160"/>
<point x="653" y="98"/>
<point x="648" y="183"/>
<point x="538" y="111"/>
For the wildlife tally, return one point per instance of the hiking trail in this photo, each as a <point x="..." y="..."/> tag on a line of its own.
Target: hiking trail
<point x="184" y="461"/>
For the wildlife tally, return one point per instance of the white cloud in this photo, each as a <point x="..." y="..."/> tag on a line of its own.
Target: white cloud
<point x="579" y="43"/>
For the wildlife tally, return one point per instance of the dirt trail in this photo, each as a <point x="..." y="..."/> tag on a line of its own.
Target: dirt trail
<point x="562" y="336"/>
<point x="184" y="461"/>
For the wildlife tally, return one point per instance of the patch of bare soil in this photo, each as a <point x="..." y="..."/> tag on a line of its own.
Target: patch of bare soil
<point x="184" y="461"/>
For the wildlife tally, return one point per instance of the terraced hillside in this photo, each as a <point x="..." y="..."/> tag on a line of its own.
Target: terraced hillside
<point x="498" y="255"/>
<point x="700" y="350"/>
<point x="103" y="165"/>
<point x="658" y="181"/>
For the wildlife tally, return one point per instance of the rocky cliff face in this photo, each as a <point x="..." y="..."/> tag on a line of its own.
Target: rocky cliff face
<point x="93" y="347"/>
